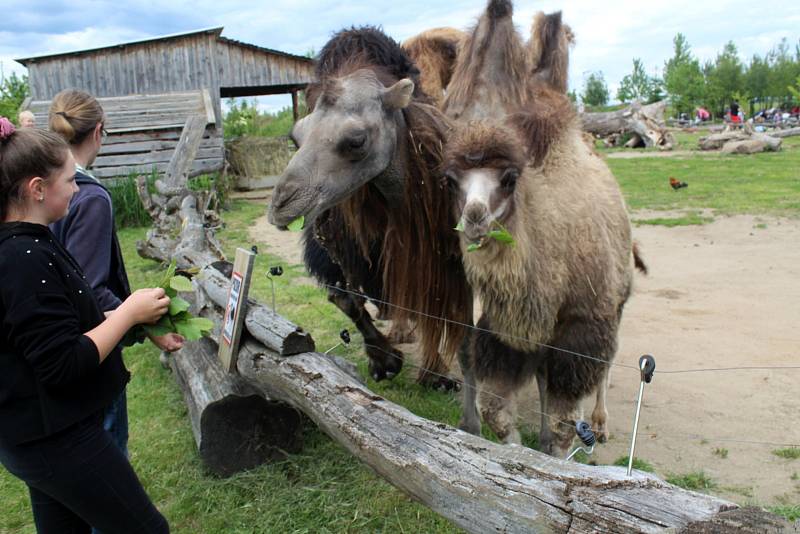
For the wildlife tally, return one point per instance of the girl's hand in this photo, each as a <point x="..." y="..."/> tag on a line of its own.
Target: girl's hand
<point x="145" y="305"/>
<point x="168" y="342"/>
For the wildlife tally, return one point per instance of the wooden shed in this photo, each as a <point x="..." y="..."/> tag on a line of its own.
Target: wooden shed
<point x="149" y="87"/>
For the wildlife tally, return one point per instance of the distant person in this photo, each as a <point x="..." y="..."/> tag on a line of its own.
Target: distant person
<point x="734" y="109"/>
<point x="88" y="232"/>
<point x="26" y="119"/>
<point x="60" y="363"/>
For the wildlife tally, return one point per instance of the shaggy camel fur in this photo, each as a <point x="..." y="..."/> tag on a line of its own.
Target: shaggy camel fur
<point x="434" y="52"/>
<point x="523" y="164"/>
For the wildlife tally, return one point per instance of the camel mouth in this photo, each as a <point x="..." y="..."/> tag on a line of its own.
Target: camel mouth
<point x="283" y="215"/>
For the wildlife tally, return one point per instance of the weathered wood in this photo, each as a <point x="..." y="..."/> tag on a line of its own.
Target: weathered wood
<point x="479" y="485"/>
<point x="271" y="329"/>
<point x="749" y="520"/>
<point x="740" y="142"/>
<point x="780" y="134"/>
<point x="236" y="426"/>
<point x="645" y="121"/>
<point x="181" y="162"/>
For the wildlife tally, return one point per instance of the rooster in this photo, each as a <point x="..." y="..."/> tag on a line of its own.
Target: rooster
<point x="677" y="184"/>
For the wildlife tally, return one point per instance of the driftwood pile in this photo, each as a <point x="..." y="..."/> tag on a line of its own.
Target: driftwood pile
<point x="635" y="126"/>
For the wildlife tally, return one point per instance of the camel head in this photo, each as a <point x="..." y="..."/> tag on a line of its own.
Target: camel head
<point x="482" y="162"/>
<point x="347" y="140"/>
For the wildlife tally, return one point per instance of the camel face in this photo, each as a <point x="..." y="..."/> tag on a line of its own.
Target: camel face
<point x="348" y="139"/>
<point x="485" y="196"/>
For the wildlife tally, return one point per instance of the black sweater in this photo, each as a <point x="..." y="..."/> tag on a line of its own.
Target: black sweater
<point x="50" y="373"/>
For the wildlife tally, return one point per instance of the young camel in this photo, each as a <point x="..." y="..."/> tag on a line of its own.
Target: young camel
<point x="523" y="164"/>
<point x="434" y="52"/>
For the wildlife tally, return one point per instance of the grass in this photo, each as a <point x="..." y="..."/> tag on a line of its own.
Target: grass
<point x="638" y="463"/>
<point x="697" y="481"/>
<point x="761" y="184"/>
<point x="790" y="511"/>
<point x="790" y="453"/>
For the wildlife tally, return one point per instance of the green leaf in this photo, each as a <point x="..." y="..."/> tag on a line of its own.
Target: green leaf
<point x="459" y="227"/>
<point x="177" y="305"/>
<point x="502" y="236"/>
<point x="180" y="283"/>
<point x="163" y="327"/>
<point x="167" y="275"/>
<point x="472" y="247"/>
<point x="297" y="224"/>
<point x="193" y="328"/>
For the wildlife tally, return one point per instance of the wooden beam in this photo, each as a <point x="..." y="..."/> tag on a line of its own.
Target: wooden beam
<point x="181" y="162"/>
<point x="295" y="110"/>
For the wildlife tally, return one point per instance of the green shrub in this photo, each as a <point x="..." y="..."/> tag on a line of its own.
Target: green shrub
<point x="128" y="208"/>
<point x="698" y="481"/>
<point x="638" y="463"/>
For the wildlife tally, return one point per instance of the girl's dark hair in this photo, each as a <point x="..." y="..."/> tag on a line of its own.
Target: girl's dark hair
<point x="74" y="115"/>
<point x="26" y="153"/>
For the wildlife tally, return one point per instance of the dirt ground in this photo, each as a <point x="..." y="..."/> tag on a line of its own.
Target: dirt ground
<point x="726" y="294"/>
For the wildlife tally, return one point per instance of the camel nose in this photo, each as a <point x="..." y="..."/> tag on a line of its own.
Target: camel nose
<point x="476" y="220"/>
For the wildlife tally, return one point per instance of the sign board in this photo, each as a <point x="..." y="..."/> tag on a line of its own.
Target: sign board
<point x="235" y="309"/>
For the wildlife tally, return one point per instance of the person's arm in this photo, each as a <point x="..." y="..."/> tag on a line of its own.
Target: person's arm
<point x="42" y="321"/>
<point x="89" y="238"/>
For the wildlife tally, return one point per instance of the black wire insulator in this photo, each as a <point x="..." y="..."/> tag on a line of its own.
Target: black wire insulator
<point x="254" y="249"/>
<point x="649" y="367"/>
<point x="585" y="434"/>
<point x="276" y="271"/>
<point x="344" y="335"/>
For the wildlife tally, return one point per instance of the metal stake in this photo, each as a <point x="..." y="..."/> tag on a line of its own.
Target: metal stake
<point x="647" y="364"/>
<point x="274" y="271"/>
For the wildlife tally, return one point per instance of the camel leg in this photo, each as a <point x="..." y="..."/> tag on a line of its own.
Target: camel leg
<point x="402" y="332"/>
<point x="497" y="402"/>
<point x="500" y="372"/>
<point x="470" y="421"/>
<point x="384" y="360"/>
<point x="545" y="435"/>
<point x="571" y="378"/>
<point x="600" y="413"/>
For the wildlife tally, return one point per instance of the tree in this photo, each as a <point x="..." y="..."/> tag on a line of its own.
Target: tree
<point x="726" y="77"/>
<point x="13" y="91"/>
<point x="595" y="90"/>
<point x="783" y="71"/>
<point x="756" y="80"/>
<point x="639" y="86"/>
<point x="683" y="78"/>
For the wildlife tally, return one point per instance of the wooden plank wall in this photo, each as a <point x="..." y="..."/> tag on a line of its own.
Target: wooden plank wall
<point x="144" y="131"/>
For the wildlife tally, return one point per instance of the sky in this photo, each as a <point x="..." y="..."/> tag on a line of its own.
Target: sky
<point x="609" y="33"/>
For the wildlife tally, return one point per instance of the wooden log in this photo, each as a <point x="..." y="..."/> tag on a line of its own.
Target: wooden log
<point x="780" y="134"/>
<point x="479" y="485"/>
<point x="645" y="121"/>
<point x="236" y="427"/>
<point x="273" y="330"/>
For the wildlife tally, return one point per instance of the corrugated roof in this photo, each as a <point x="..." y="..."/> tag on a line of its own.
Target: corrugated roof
<point x="216" y="30"/>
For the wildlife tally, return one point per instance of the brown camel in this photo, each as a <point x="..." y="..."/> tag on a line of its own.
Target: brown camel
<point x="367" y="179"/>
<point x="434" y="52"/>
<point x="520" y="163"/>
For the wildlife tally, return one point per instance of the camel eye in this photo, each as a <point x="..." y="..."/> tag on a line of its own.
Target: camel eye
<point x="509" y="178"/>
<point x="353" y="145"/>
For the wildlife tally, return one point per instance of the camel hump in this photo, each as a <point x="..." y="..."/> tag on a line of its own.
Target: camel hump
<point x="498" y="9"/>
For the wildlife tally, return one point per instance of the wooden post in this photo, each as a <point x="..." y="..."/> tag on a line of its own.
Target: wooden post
<point x="235" y="308"/>
<point x="295" y="110"/>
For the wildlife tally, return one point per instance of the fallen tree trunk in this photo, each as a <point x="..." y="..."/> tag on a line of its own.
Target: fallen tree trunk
<point x="645" y="122"/>
<point x="235" y="426"/>
<point x="731" y="141"/>
<point x="479" y="485"/>
<point x="785" y="133"/>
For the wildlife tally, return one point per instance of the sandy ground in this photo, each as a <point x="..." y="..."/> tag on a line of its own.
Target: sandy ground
<point x="726" y="294"/>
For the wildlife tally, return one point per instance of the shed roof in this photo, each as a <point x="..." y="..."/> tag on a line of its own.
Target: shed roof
<point x="216" y="30"/>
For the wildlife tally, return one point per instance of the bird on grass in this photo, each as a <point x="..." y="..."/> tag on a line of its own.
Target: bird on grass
<point x="677" y="184"/>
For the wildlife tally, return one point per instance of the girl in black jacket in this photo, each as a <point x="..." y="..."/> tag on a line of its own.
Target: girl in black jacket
<point x="59" y="361"/>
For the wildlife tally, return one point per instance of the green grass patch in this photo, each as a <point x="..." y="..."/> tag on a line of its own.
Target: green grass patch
<point x="698" y="481"/>
<point x="638" y="463"/>
<point x="687" y="219"/>
<point x="790" y="511"/>
<point x="767" y="183"/>
<point x="790" y="453"/>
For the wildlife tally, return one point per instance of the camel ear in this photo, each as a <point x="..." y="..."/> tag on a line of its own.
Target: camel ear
<point x="398" y="96"/>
